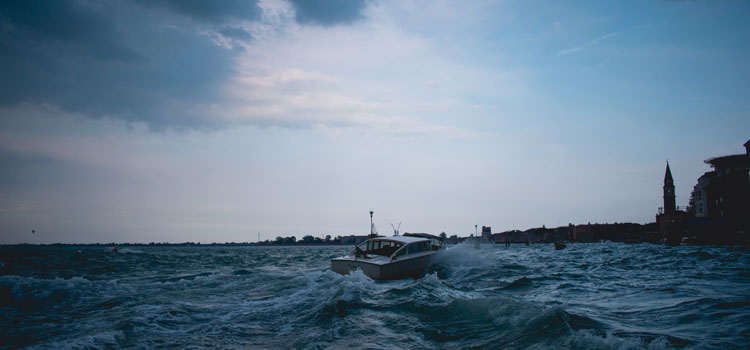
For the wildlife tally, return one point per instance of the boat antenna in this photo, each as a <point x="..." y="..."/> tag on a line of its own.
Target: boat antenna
<point x="395" y="229"/>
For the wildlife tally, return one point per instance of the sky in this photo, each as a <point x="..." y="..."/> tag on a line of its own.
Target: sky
<point x="219" y="121"/>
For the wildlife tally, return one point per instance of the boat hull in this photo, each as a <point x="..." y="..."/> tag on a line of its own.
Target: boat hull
<point x="414" y="267"/>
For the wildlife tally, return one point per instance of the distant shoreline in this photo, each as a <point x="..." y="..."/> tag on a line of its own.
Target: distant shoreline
<point x="226" y="244"/>
<point x="623" y="232"/>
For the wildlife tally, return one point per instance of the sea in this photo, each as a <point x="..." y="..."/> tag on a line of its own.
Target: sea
<point x="586" y="296"/>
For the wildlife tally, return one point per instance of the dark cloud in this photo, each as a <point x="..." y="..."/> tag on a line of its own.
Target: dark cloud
<point x="328" y="12"/>
<point x="137" y="60"/>
<point x="79" y="26"/>
<point x="215" y="12"/>
<point x="237" y="33"/>
<point x="118" y="58"/>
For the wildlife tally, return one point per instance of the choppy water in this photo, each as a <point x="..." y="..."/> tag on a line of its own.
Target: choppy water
<point x="585" y="296"/>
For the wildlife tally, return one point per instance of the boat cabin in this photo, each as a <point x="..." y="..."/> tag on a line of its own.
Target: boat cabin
<point x="395" y="247"/>
<point x="391" y="258"/>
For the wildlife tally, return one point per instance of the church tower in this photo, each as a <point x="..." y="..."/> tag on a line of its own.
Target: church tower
<point x="669" y="198"/>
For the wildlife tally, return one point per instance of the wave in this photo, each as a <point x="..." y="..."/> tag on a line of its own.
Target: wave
<point x="438" y="313"/>
<point x="103" y="340"/>
<point x="491" y="297"/>
<point x="36" y="293"/>
<point x="129" y="251"/>
<point x="522" y="282"/>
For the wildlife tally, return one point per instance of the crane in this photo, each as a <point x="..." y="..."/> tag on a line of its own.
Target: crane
<point x="395" y="229"/>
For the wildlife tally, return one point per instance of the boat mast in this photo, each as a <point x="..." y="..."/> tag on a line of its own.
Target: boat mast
<point x="371" y="234"/>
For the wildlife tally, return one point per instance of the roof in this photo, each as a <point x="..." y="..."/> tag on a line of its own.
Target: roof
<point x="422" y="235"/>
<point x="668" y="175"/>
<point x="735" y="159"/>
<point x="402" y="239"/>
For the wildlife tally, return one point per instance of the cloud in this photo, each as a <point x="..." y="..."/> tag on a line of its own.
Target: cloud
<point x="110" y="58"/>
<point x="592" y="42"/>
<point x="77" y="26"/>
<point x="328" y="12"/>
<point x="307" y="99"/>
<point x="161" y="62"/>
<point x="18" y="167"/>
<point x="215" y="12"/>
<point x="211" y="65"/>
<point x="237" y="33"/>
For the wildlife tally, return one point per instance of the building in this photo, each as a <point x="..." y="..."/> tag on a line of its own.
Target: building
<point x="727" y="188"/>
<point x="352" y="239"/>
<point x="721" y="200"/>
<point x="700" y="195"/>
<point x="486" y="234"/>
<point x="669" y="218"/>
<point x="670" y="205"/>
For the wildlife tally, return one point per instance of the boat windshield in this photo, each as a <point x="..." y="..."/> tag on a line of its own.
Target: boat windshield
<point x="380" y="247"/>
<point x="435" y="241"/>
<point x="414" y="248"/>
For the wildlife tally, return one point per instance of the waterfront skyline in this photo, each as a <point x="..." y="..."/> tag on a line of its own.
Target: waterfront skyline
<point x="179" y="121"/>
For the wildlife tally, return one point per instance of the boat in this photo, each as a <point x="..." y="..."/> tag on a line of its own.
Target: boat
<point x="559" y="245"/>
<point x="391" y="258"/>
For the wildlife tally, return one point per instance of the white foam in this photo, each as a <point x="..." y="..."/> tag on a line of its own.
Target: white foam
<point x="467" y="255"/>
<point x="590" y="340"/>
<point x="130" y="251"/>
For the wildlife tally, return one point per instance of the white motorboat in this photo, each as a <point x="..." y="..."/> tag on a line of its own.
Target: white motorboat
<point x="391" y="258"/>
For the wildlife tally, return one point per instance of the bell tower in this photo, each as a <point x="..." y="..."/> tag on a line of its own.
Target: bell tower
<point x="669" y="197"/>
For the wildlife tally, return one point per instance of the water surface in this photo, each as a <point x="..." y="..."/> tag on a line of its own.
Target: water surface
<point x="587" y="296"/>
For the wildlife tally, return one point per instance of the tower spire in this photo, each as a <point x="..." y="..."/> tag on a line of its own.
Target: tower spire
<point x="668" y="175"/>
<point x="670" y="205"/>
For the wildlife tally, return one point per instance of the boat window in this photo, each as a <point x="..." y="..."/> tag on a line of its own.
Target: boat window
<point x="416" y="247"/>
<point x="396" y="246"/>
<point x="419" y="247"/>
<point x="403" y="251"/>
<point x="436" y="244"/>
<point x="383" y="247"/>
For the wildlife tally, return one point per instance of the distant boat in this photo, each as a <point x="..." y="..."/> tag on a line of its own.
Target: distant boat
<point x="559" y="245"/>
<point x="391" y="258"/>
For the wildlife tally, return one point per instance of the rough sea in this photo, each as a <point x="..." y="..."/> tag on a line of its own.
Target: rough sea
<point x="586" y="296"/>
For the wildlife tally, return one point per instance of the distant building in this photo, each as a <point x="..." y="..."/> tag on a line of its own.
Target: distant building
<point x="700" y="195"/>
<point x="622" y="232"/>
<point x="486" y="234"/>
<point x="669" y="217"/>
<point x="669" y="196"/>
<point x="511" y="236"/>
<point x="352" y="239"/>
